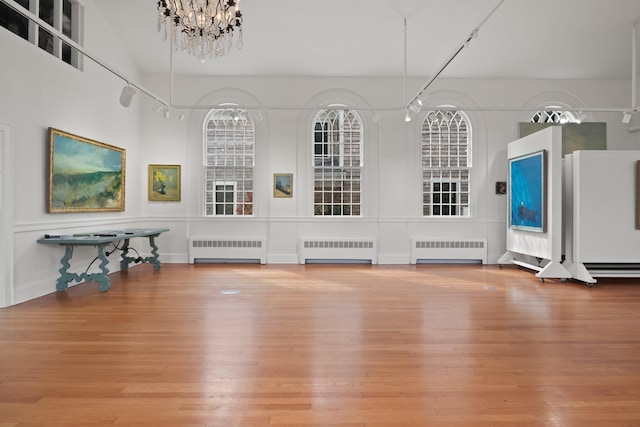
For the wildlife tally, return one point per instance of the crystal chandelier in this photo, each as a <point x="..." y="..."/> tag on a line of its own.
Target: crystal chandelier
<point x="204" y="28"/>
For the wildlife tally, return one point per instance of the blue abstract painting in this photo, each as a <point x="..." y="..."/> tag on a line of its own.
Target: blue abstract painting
<point x="527" y="192"/>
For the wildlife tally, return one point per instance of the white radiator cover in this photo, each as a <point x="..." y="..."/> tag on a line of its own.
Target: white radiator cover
<point x="448" y="249"/>
<point x="338" y="249"/>
<point x="227" y="249"/>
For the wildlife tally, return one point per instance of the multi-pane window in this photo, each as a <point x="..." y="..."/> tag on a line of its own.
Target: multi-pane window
<point x="446" y="164"/>
<point x="229" y="160"/>
<point x="62" y="15"/>
<point x="337" y="163"/>
<point x="554" y="115"/>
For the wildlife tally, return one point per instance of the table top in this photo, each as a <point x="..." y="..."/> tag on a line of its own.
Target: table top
<point x="99" y="237"/>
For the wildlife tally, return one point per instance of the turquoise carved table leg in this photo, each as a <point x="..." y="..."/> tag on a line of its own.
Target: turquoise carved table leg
<point x="65" y="276"/>
<point x="155" y="258"/>
<point x="102" y="279"/>
<point x="125" y="260"/>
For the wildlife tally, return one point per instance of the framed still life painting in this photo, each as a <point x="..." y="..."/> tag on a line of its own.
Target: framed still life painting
<point x="164" y="183"/>
<point x="527" y="192"/>
<point x="84" y="175"/>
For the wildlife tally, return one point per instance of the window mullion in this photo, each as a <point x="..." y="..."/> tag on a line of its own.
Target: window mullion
<point x="57" y="24"/>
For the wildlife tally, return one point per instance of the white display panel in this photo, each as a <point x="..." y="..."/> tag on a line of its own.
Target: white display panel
<point x="536" y="244"/>
<point x="545" y="245"/>
<point x="604" y="207"/>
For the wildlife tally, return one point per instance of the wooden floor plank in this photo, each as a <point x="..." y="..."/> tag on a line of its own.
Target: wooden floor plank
<point x="324" y="345"/>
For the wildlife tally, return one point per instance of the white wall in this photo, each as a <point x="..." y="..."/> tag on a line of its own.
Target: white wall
<point x="39" y="91"/>
<point x="392" y="187"/>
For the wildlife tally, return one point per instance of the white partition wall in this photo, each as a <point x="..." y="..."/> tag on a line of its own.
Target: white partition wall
<point x="601" y="230"/>
<point x="524" y="246"/>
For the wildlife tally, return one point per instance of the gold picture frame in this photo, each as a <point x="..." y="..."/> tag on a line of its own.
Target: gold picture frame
<point x="84" y="175"/>
<point x="164" y="183"/>
<point x="282" y="185"/>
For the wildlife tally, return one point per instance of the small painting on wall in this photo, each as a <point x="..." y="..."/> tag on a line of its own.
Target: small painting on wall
<point x="84" y="175"/>
<point x="164" y="183"/>
<point x="282" y="185"/>
<point x="527" y="192"/>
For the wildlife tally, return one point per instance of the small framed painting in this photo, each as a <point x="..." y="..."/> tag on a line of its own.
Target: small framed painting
<point x="282" y="185"/>
<point x="164" y="183"/>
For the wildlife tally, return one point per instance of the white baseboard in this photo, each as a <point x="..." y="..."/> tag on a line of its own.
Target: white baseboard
<point x="282" y="259"/>
<point x="394" y="259"/>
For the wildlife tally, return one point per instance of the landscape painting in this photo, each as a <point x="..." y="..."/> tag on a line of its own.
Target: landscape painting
<point x="282" y="185"/>
<point x="527" y="192"/>
<point x="84" y="175"/>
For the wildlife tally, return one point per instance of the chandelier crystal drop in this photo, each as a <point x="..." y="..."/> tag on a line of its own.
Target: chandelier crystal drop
<point x="204" y="28"/>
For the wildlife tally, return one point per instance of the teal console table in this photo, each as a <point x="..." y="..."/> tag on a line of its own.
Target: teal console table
<point x="100" y="239"/>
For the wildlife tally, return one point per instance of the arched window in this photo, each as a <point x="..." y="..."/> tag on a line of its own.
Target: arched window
<point x="556" y="115"/>
<point x="229" y="160"/>
<point x="337" y="163"/>
<point x="446" y="163"/>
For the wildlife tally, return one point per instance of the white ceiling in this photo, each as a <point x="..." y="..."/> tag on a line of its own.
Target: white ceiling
<point x="554" y="39"/>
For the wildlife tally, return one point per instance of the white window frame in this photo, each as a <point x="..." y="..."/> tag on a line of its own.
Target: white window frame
<point x="232" y="137"/>
<point x="432" y="174"/>
<point x="233" y="191"/>
<point x="554" y="114"/>
<point x="441" y="204"/>
<point x="334" y="162"/>
<point x="75" y="28"/>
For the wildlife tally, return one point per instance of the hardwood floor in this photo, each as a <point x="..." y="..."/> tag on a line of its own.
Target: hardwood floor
<point x="343" y="346"/>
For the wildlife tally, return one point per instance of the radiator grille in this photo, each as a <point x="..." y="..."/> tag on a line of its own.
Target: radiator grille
<point x="331" y="244"/>
<point x="438" y="244"/>
<point x="214" y="249"/>
<point x="226" y="243"/>
<point x="340" y="250"/>
<point x="448" y="250"/>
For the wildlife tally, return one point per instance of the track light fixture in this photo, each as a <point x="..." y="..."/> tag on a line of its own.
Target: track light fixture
<point x="415" y="106"/>
<point x="407" y="116"/>
<point x="128" y="92"/>
<point x="626" y="117"/>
